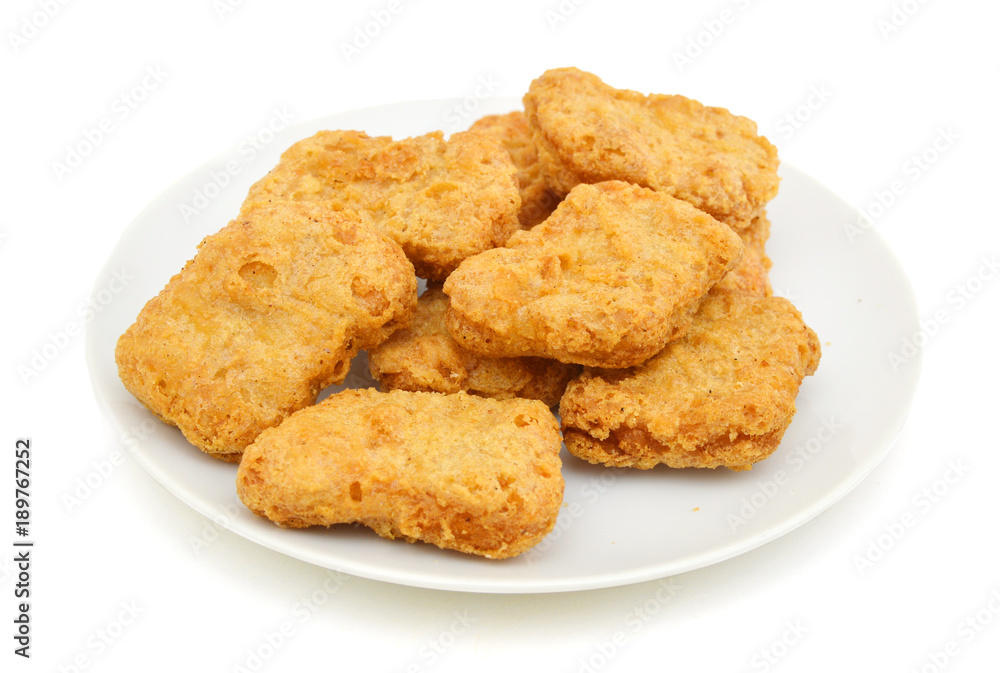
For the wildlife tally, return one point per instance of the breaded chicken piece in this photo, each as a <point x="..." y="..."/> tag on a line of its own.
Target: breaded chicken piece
<point x="268" y="313"/>
<point x="587" y="131"/>
<point x="514" y="133"/>
<point x="461" y="472"/>
<point x="608" y="280"/>
<point x="721" y="395"/>
<point x="441" y="201"/>
<point x="751" y="275"/>
<point x="423" y="357"/>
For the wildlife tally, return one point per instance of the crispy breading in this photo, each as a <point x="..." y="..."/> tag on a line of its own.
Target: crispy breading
<point x="424" y="357"/>
<point x="268" y="313"/>
<point x="723" y="395"/>
<point x="751" y="275"/>
<point x="514" y="133"/>
<point x="441" y="201"/>
<point x="587" y="131"/>
<point x="462" y="472"/>
<point x="608" y="280"/>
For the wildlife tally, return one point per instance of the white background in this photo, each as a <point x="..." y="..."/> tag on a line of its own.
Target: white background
<point x="123" y="562"/>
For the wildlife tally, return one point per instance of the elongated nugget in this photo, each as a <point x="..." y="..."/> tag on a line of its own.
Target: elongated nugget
<point x="268" y="313"/>
<point x="608" y="280"/>
<point x="424" y="357"/>
<point x="588" y="131"/>
<point x="722" y="395"/>
<point x="467" y="473"/>
<point x="440" y="200"/>
<point x="514" y="133"/>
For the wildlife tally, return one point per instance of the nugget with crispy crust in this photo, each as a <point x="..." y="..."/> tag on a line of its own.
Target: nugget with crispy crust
<point x="267" y="314"/>
<point x="424" y="357"/>
<point x="441" y="201"/>
<point x="751" y="275"/>
<point x="461" y="472"/>
<point x="588" y="131"/>
<point x="514" y="133"/>
<point x="608" y="280"/>
<point x="721" y="395"/>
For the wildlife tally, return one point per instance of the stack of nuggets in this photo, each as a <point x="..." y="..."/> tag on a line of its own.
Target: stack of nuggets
<point x="602" y="250"/>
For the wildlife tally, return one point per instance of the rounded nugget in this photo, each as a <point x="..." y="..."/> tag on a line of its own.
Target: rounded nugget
<point x="608" y="280"/>
<point x="268" y="313"/>
<point x="588" y="131"/>
<point x="424" y="357"/>
<point x="476" y="475"/>
<point x="722" y="395"/>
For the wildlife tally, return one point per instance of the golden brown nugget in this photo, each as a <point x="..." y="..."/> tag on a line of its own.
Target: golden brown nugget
<point x="588" y="131"/>
<point x="751" y="275"/>
<point x="722" y="395"/>
<point x="423" y="357"/>
<point x="461" y="472"/>
<point x="608" y="280"/>
<point x="268" y="313"/>
<point x="514" y="133"/>
<point x="441" y="201"/>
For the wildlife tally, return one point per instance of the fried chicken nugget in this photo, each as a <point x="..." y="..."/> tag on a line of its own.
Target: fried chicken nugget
<point x="462" y="472"/>
<point x="423" y="357"/>
<point x="514" y="133"/>
<point x="721" y="395"/>
<point x="268" y="313"/>
<point x="588" y="131"/>
<point x="441" y="201"/>
<point x="608" y="280"/>
<point x="751" y="275"/>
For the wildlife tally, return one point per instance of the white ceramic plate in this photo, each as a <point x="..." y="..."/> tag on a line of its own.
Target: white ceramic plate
<point x="616" y="527"/>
